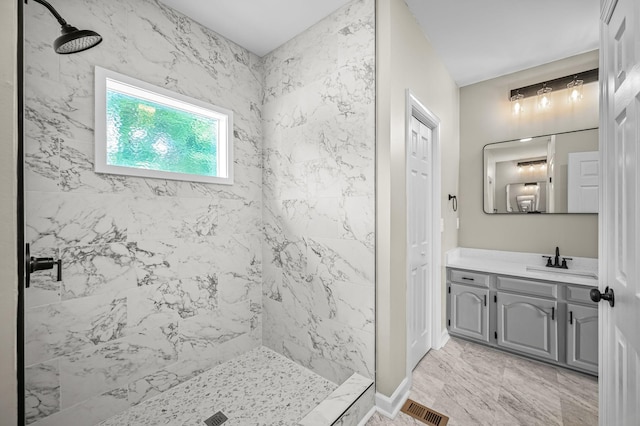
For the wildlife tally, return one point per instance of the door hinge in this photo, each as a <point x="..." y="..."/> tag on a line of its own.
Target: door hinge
<point x="449" y="323"/>
<point x="495" y="298"/>
<point x="449" y="289"/>
<point x="495" y="335"/>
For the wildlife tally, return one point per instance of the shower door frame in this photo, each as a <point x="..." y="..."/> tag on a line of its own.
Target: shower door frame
<point x="20" y="249"/>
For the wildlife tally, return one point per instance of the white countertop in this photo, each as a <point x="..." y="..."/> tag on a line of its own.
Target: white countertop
<point x="515" y="263"/>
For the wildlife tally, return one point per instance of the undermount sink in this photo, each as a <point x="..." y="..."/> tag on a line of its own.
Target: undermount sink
<point x="569" y="272"/>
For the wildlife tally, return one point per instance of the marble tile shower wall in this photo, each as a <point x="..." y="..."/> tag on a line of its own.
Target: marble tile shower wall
<point x="161" y="279"/>
<point x="318" y="195"/>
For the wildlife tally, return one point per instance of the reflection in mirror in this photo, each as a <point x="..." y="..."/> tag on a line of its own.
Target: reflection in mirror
<point x="530" y="197"/>
<point x="545" y="174"/>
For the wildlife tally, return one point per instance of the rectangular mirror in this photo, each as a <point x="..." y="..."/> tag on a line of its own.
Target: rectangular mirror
<point x="545" y="174"/>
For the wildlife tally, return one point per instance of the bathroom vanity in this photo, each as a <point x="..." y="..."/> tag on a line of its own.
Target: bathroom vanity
<point x="511" y="301"/>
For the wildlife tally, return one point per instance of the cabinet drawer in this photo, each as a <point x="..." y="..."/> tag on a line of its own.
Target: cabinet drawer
<point x="579" y="294"/>
<point x="534" y="288"/>
<point x="470" y="278"/>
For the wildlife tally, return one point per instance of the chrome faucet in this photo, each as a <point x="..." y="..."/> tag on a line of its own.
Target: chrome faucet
<point x="556" y="260"/>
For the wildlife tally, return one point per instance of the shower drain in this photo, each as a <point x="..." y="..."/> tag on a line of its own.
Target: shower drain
<point x="216" y="420"/>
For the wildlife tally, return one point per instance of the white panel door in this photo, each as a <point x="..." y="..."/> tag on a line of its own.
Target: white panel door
<point x="582" y="182"/>
<point x="419" y="197"/>
<point x="620" y="215"/>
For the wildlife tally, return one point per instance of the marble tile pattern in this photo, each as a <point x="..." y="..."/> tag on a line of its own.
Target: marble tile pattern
<point x="360" y="411"/>
<point x="318" y="195"/>
<point x="338" y="402"/>
<point x="477" y="385"/>
<point x="260" y="387"/>
<point x="162" y="279"/>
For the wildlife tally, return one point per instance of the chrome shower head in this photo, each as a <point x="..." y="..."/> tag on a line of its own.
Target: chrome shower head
<point x="72" y="39"/>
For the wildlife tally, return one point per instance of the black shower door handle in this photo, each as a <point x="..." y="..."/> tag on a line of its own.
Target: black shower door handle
<point x="34" y="264"/>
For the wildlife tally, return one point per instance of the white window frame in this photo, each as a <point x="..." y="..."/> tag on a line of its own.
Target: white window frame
<point x="147" y="91"/>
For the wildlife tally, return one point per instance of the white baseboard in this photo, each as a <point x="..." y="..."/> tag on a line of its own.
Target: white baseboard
<point x="444" y="338"/>
<point x="390" y="406"/>
<point x="367" y="416"/>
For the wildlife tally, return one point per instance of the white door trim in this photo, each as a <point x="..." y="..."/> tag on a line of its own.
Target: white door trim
<point x="604" y="315"/>
<point x="415" y="108"/>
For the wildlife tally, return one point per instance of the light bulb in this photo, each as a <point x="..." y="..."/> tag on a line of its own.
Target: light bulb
<point x="543" y="98"/>
<point x="544" y="102"/>
<point x="575" y="95"/>
<point x="516" y="103"/>
<point x="517" y="108"/>
<point x="575" y="90"/>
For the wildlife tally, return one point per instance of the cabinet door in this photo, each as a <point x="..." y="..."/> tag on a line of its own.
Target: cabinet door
<point x="582" y="337"/>
<point x="528" y="325"/>
<point x="468" y="312"/>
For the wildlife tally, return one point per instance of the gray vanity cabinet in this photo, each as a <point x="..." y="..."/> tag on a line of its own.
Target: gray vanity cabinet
<point x="582" y="337"/>
<point x="547" y="320"/>
<point x="469" y="312"/>
<point x="528" y="324"/>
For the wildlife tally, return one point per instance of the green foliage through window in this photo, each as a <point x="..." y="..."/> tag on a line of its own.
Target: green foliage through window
<point x="148" y="135"/>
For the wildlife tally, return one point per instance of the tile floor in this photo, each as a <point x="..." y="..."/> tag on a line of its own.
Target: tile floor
<point x="477" y="385"/>
<point x="260" y="387"/>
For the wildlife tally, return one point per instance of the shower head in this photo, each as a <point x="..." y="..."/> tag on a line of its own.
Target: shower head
<point x="72" y="39"/>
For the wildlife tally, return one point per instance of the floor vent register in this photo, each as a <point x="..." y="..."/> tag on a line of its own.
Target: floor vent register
<point x="216" y="420"/>
<point x="424" y="414"/>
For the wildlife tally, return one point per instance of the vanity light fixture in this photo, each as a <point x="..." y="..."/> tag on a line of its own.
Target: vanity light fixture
<point x="575" y="89"/>
<point x="525" y="139"/>
<point x="573" y="82"/>
<point x="532" y="163"/>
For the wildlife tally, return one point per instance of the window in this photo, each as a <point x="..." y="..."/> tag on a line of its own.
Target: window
<point x="145" y="130"/>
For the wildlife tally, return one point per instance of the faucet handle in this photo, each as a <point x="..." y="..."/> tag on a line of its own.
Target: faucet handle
<point x="549" y="263"/>
<point x="564" y="262"/>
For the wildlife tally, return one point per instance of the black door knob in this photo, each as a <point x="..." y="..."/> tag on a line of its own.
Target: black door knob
<point x="608" y="295"/>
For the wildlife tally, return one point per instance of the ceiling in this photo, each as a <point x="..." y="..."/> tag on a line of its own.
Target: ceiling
<point x="258" y="25"/>
<point x="477" y="40"/>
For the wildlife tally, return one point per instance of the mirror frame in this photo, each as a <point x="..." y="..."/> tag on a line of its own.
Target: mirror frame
<point x="484" y="188"/>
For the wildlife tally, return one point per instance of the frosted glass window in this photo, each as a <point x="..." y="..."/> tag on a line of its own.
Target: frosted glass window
<point x="149" y="131"/>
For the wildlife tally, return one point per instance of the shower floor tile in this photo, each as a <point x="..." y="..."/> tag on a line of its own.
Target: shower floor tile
<point x="260" y="387"/>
